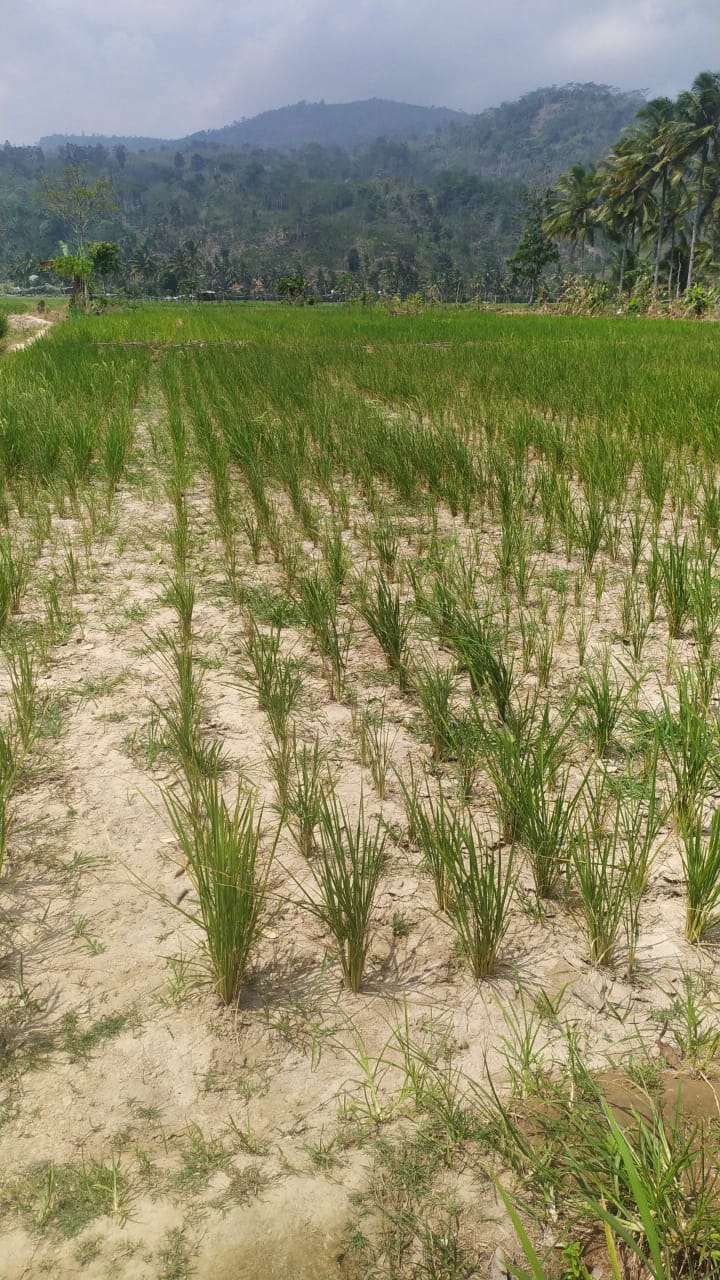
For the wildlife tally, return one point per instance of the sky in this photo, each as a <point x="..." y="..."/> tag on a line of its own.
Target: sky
<point x="166" y="68"/>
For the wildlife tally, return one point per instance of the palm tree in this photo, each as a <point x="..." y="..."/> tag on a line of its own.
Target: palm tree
<point x="698" y="134"/>
<point x="658" y="152"/>
<point x="143" y="264"/>
<point x="625" y="199"/>
<point x="573" y="212"/>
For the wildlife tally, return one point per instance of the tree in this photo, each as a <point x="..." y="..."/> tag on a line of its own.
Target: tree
<point x="697" y="134"/>
<point x="536" y="250"/>
<point x="77" y="201"/>
<point x="105" y="258"/>
<point x="101" y="258"/>
<point x="292" y="288"/>
<point x="77" y="268"/>
<point x="657" y="152"/>
<point x="572" y="214"/>
<point x="143" y="263"/>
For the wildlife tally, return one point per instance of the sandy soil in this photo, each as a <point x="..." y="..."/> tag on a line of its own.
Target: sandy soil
<point x="218" y="1123"/>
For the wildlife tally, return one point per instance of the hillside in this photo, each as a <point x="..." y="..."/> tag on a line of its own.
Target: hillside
<point x="395" y="213"/>
<point x="348" y="125"/>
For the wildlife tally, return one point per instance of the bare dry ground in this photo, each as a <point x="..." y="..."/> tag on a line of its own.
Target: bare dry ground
<point x="148" y="1133"/>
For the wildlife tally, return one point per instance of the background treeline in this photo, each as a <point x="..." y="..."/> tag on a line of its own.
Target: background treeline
<point x="420" y="208"/>
<point x="652" y="203"/>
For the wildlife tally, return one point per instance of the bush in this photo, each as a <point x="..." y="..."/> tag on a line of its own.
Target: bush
<point x="697" y="300"/>
<point x="3" y="326"/>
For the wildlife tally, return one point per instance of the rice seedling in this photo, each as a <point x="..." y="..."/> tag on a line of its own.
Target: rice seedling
<point x="590" y="529"/>
<point x="601" y="701"/>
<point x="561" y="613"/>
<point x="642" y="816"/>
<point x="25" y="700"/>
<point x="278" y="678"/>
<point x="254" y="535"/>
<point x="637" y="524"/>
<point x="652" y="579"/>
<point x="545" y="655"/>
<point x="529" y="635"/>
<point x="434" y="688"/>
<point x="389" y="620"/>
<point x="117" y="443"/>
<point x="180" y="535"/>
<point x="675" y="584"/>
<point x="475" y="641"/>
<point x="319" y="604"/>
<point x="310" y="781"/>
<point x="655" y="473"/>
<point x="383" y="540"/>
<point x="604" y="886"/>
<point x="707" y="674"/>
<point x="221" y="848"/>
<point x="481" y="886"/>
<point x="635" y="622"/>
<point x="429" y="823"/>
<point x="71" y="565"/>
<point x="547" y="827"/>
<point x="600" y="578"/>
<point x="180" y="595"/>
<point x="705" y="602"/>
<point x="347" y="872"/>
<point x="581" y="637"/>
<point x="701" y="865"/>
<point x="710" y="510"/>
<point x="58" y="620"/>
<point x="691" y="749"/>
<point x="14" y="577"/>
<point x="376" y="748"/>
<point x="336" y="558"/>
<point x="182" y="717"/>
<point x="10" y="762"/>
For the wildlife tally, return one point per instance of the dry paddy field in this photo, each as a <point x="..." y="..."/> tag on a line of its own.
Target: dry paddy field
<point x="359" y="767"/>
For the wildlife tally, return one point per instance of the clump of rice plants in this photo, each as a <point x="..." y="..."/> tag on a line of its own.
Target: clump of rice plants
<point x="701" y="865"/>
<point x="603" y="881"/>
<point x="434" y="688"/>
<point x="602" y="700"/>
<point x="320" y="602"/>
<point x="376" y="746"/>
<point x="347" y="872"/>
<point x="221" y="848"/>
<point x="481" y="886"/>
<point x="309" y="781"/>
<point x="389" y="620"/>
<point x="25" y="699"/>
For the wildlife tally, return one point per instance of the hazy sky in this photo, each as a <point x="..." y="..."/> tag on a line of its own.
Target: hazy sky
<point x="165" y="68"/>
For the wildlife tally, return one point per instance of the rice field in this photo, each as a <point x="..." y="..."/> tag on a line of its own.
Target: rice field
<point x="359" y="767"/>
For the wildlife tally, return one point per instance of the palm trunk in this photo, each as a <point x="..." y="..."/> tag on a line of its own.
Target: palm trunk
<point x="696" y="219"/>
<point x="623" y="261"/>
<point x="661" y="228"/>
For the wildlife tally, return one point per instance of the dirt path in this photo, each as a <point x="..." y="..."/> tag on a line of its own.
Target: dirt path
<point x="26" y="329"/>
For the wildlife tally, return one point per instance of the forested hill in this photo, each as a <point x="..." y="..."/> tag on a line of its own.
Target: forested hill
<point x="544" y="130"/>
<point x="539" y="136"/>
<point x="395" y="212"/>
<point x="348" y="125"/>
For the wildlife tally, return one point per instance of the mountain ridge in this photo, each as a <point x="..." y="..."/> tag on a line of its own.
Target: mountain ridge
<point x="348" y="125"/>
<point x="351" y="126"/>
